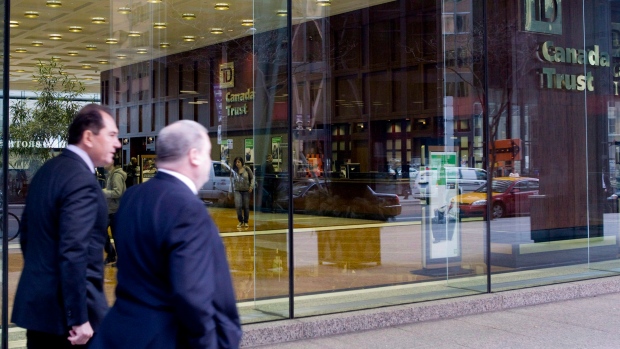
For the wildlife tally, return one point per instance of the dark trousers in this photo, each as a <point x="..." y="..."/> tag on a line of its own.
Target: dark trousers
<point x="42" y="340"/>
<point x="109" y="246"/>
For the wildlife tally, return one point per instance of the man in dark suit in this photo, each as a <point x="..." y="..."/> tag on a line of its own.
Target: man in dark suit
<point x="174" y="285"/>
<point x="60" y="298"/>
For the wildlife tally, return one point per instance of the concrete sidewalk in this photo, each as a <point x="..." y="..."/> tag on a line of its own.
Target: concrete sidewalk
<point x="583" y="314"/>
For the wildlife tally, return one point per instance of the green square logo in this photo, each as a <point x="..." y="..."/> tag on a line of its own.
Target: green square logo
<point x="542" y="16"/>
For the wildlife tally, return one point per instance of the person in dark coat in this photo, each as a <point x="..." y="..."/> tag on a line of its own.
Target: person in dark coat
<point x="60" y="298"/>
<point x="174" y="284"/>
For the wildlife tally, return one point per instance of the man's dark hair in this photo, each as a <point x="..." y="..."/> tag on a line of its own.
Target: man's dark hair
<point x="90" y="117"/>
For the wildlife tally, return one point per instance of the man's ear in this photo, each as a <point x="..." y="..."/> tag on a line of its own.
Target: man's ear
<point x="87" y="138"/>
<point x="194" y="157"/>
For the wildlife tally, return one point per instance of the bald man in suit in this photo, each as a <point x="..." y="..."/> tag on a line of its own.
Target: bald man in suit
<point x="174" y="285"/>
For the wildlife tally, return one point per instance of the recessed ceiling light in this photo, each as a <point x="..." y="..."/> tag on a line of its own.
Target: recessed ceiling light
<point x="111" y="41"/>
<point x="134" y="34"/>
<point x="188" y="16"/>
<point x="142" y="51"/>
<point x="282" y="13"/>
<point x="125" y="10"/>
<point x="121" y="56"/>
<point x="164" y="44"/>
<point x="189" y="38"/>
<point x="20" y="71"/>
<point x="86" y="66"/>
<point x="103" y="61"/>
<point x="247" y="22"/>
<point x="324" y="2"/>
<point x="217" y="31"/>
<point x="222" y="6"/>
<point x="31" y="14"/>
<point x="159" y="25"/>
<point x="55" y="36"/>
<point x="55" y="59"/>
<point x="53" y="3"/>
<point x="97" y="20"/>
<point x="72" y="53"/>
<point x="13" y="24"/>
<point x="75" y="29"/>
<point x="21" y="50"/>
<point x="88" y="78"/>
<point x="37" y="43"/>
<point x="154" y="1"/>
<point x="91" y="47"/>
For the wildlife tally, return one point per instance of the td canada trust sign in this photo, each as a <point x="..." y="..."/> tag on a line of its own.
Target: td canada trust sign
<point x="236" y="102"/>
<point x="545" y="16"/>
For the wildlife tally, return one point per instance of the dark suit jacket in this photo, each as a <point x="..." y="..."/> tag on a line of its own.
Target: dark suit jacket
<point x="174" y="285"/>
<point x="63" y="230"/>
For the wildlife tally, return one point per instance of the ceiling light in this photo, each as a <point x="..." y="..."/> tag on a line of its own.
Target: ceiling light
<point x="36" y="43"/>
<point x="142" y="51"/>
<point x="282" y="13"/>
<point x="13" y="24"/>
<point x="21" y="50"/>
<point x="31" y="14"/>
<point x="111" y="41"/>
<point x="189" y="38"/>
<point x="55" y="59"/>
<point x="124" y="10"/>
<point x="88" y="78"/>
<point x="86" y="66"/>
<point x="91" y="48"/>
<point x="55" y="36"/>
<point x="72" y="53"/>
<point x="121" y="56"/>
<point x="221" y="6"/>
<point x="324" y="2"/>
<point x="20" y="71"/>
<point x="217" y="31"/>
<point x="103" y="61"/>
<point x="159" y="25"/>
<point x="134" y="34"/>
<point x="97" y="20"/>
<point x="154" y="1"/>
<point x="188" y="16"/>
<point x="164" y="44"/>
<point x="75" y="29"/>
<point x="53" y="3"/>
<point x="247" y="22"/>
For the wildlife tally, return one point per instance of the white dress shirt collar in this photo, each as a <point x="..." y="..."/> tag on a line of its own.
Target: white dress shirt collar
<point x="182" y="178"/>
<point x="82" y="154"/>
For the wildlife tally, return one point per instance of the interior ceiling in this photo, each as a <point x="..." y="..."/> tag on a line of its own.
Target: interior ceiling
<point x="87" y="64"/>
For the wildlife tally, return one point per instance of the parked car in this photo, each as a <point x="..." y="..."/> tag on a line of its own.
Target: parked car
<point x="217" y="188"/>
<point x="353" y="199"/>
<point x="510" y="198"/>
<point x="467" y="179"/>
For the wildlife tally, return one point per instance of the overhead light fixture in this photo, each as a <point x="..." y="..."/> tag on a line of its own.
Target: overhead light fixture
<point x="324" y="2"/>
<point x="21" y="50"/>
<point x="55" y="59"/>
<point x="247" y="22"/>
<point x="91" y="48"/>
<point x="125" y="10"/>
<point x="164" y="44"/>
<point x="222" y="6"/>
<point x="189" y="38"/>
<point x="55" y="37"/>
<point x="111" y="41"/>
<point x="97" y="20"/>
<point x="103" y="61"/>
<point x="159" y="25"/>
<point x="134" y="34"/>
<point x="154" y="1"/>
<point x="20" y="71"/>
<point x="121" y="56"/>
<point x="13" y="24"/>
<point x="88" y="78"/>
<point x="37" y="43"/>
<point x="75" y="29"/>
<point x="282" y="13"/>
<point x="86" y="66"/>
<point x="72" y="53"/>
<point x="31" y="14"/>
<point x="188" y="16"/>
<point x="53" y="3"/>
<point x="141" y="51"/>
<point x="217" y="31"/>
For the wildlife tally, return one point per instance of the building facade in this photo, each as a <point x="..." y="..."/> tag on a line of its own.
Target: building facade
<point x="423" y="149"/>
